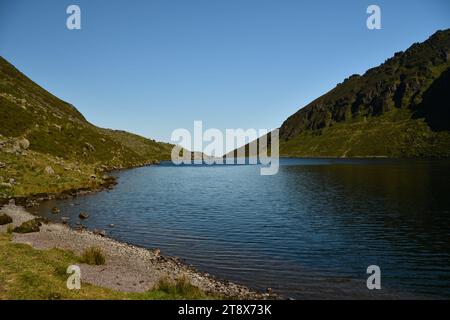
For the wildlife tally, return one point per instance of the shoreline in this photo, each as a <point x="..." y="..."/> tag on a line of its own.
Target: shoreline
<point x="128" y="268"/>
<point x="16" y="207"/>
<point x="34" y="199"/>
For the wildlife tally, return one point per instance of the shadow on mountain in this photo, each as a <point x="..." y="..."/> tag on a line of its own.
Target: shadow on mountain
<point x="435" y="107"/>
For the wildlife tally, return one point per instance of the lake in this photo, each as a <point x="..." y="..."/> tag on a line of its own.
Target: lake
<point x="310" y="231"/>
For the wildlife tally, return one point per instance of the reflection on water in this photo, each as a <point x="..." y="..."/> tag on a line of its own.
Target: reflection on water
<point x="308" y="232"/>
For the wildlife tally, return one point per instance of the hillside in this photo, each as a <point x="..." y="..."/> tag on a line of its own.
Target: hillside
<point x="46" y="145"/>
<point x="398" y="109"/>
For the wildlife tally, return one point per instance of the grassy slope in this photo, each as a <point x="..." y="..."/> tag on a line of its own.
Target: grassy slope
<point x="26" y="273"/>
<point x="60" y="137"/>
<point x="30" y="178"/>
<point x="383" y="136"/>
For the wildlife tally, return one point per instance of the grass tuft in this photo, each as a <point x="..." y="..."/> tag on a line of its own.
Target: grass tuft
<point x="5" y="219"/>
<point x="180" y="288"/>
<point x="29" y="226"/>
<point x="93" y="256"/>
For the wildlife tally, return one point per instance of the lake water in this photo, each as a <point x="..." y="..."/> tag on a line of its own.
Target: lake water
<point x="310" y="231"/>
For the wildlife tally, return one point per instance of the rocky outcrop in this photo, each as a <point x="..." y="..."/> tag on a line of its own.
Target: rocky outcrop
<point x="409" y="80"/>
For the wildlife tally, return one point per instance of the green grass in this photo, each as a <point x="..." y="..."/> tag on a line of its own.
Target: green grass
<point x="93" y="256"/>
<point x="29" y="226"/>
<point x="29" y="274"/>
<point x="180" y="288"/>
<point x="5" y="219"/>
<point x="389" y="135"/>
<point x="30" y="178"/>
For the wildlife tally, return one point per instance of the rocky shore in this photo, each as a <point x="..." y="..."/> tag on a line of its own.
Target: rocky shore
<point x="107" y="183"/>
<point x="128" y="268"/>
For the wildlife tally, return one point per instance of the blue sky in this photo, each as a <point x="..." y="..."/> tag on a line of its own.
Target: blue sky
<point x="150" y="67"/>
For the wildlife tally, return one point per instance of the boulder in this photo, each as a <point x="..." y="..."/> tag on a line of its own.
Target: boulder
<point x="83" y="215"/>
<point x="89" y="146"/>
<point x="49" y="170"/>
<point x="80" y="227"/>
<point x="14" y="148"/>
<point x="98" y="232"/>
<point x="55" y="210"/>
<point x="2" y="165"/>
<point x="30" y="203"/>
<point x="29" y="226"/>
<point x="23" y="143"/>
<point x="65" y="220"/>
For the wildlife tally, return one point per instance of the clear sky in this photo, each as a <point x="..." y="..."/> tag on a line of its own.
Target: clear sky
<point x="150" y="67"/>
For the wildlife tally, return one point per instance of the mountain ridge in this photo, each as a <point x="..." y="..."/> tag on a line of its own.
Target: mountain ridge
<point x="397" y="109"/>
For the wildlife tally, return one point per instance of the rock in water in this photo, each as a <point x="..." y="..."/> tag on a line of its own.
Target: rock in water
<point x="101" y="233"/>
<point x="65" y="220"/>
<point x="55" y="210"/>
<point x="83" y="215"/>
<point x="80" y="228"/>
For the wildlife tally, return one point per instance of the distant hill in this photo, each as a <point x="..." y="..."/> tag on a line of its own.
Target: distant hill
<point x="398" y="109"/>
<point x="38" y="130"/>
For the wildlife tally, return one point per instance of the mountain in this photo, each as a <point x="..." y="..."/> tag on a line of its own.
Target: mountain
<point x="398" y="109"/>
<point x="46" y="145"/>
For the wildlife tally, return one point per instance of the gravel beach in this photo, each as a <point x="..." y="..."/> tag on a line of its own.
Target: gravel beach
<point x="128" y="268"/>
